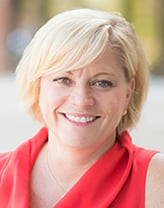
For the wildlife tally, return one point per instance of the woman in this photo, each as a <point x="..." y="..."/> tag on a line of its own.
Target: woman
<point x="85" y="77"/>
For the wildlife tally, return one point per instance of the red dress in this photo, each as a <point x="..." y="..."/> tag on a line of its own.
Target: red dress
<point x="117" y="179"/>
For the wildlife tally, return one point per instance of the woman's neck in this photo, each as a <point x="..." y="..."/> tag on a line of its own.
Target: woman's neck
<point x="70" y="163"/>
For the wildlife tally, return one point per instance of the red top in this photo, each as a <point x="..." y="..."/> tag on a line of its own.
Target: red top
<point x="116" y="179"/>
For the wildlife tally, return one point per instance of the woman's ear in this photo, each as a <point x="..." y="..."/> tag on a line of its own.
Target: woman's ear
<point x="132" y="84"/>
<point x="130" y="90"/>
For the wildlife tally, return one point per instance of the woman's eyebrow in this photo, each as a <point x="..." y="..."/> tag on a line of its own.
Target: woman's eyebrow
<point x="104" y="73"/>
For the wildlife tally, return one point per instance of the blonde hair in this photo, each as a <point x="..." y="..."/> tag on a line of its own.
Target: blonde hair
<point x="74" y="39"/>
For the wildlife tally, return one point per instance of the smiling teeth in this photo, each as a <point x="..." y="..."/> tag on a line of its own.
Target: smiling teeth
<point x="80" y="119"/>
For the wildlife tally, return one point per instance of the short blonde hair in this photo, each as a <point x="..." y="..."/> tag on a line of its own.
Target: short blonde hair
<point x="74" y="39"/>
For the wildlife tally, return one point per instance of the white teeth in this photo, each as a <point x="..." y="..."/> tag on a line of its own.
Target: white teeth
<point x="82" y="119"/>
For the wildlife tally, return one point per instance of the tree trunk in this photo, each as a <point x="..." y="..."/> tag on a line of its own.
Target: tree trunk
<point x="4" y="29"/>
<point x="159" y="68"/>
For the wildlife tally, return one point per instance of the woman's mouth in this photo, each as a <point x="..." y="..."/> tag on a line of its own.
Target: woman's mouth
<point x="81" y="119"/>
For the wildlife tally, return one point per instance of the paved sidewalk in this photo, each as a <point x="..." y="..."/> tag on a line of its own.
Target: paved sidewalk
<point x="16" y="126"/>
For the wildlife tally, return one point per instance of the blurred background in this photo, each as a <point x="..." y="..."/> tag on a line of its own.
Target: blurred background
<point x="19" y="20"/>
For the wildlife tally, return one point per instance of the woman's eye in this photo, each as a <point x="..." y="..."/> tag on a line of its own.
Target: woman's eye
<point x="102" y="83"/>
<point x="63" y="80"/>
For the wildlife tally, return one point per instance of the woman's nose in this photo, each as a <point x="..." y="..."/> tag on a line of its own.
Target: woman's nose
<point x="82" y="97"/>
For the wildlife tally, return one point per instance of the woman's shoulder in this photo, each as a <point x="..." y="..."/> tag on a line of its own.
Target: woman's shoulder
<point x="4" y="158"/>
<point x="10" y="159"/>
<point x="155" y="182"/>
<point x="25" y="151"/>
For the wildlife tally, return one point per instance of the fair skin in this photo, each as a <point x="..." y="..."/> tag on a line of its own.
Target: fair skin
<point x="155" y="183"/>
<point x="98" y="92"/>
<point x="82" y="109"/>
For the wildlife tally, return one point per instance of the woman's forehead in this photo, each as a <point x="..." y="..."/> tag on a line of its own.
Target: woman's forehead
<point x="107" y="62"/>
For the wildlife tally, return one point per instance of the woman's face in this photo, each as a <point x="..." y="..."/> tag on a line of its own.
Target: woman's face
<point x="83" y="107"/>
